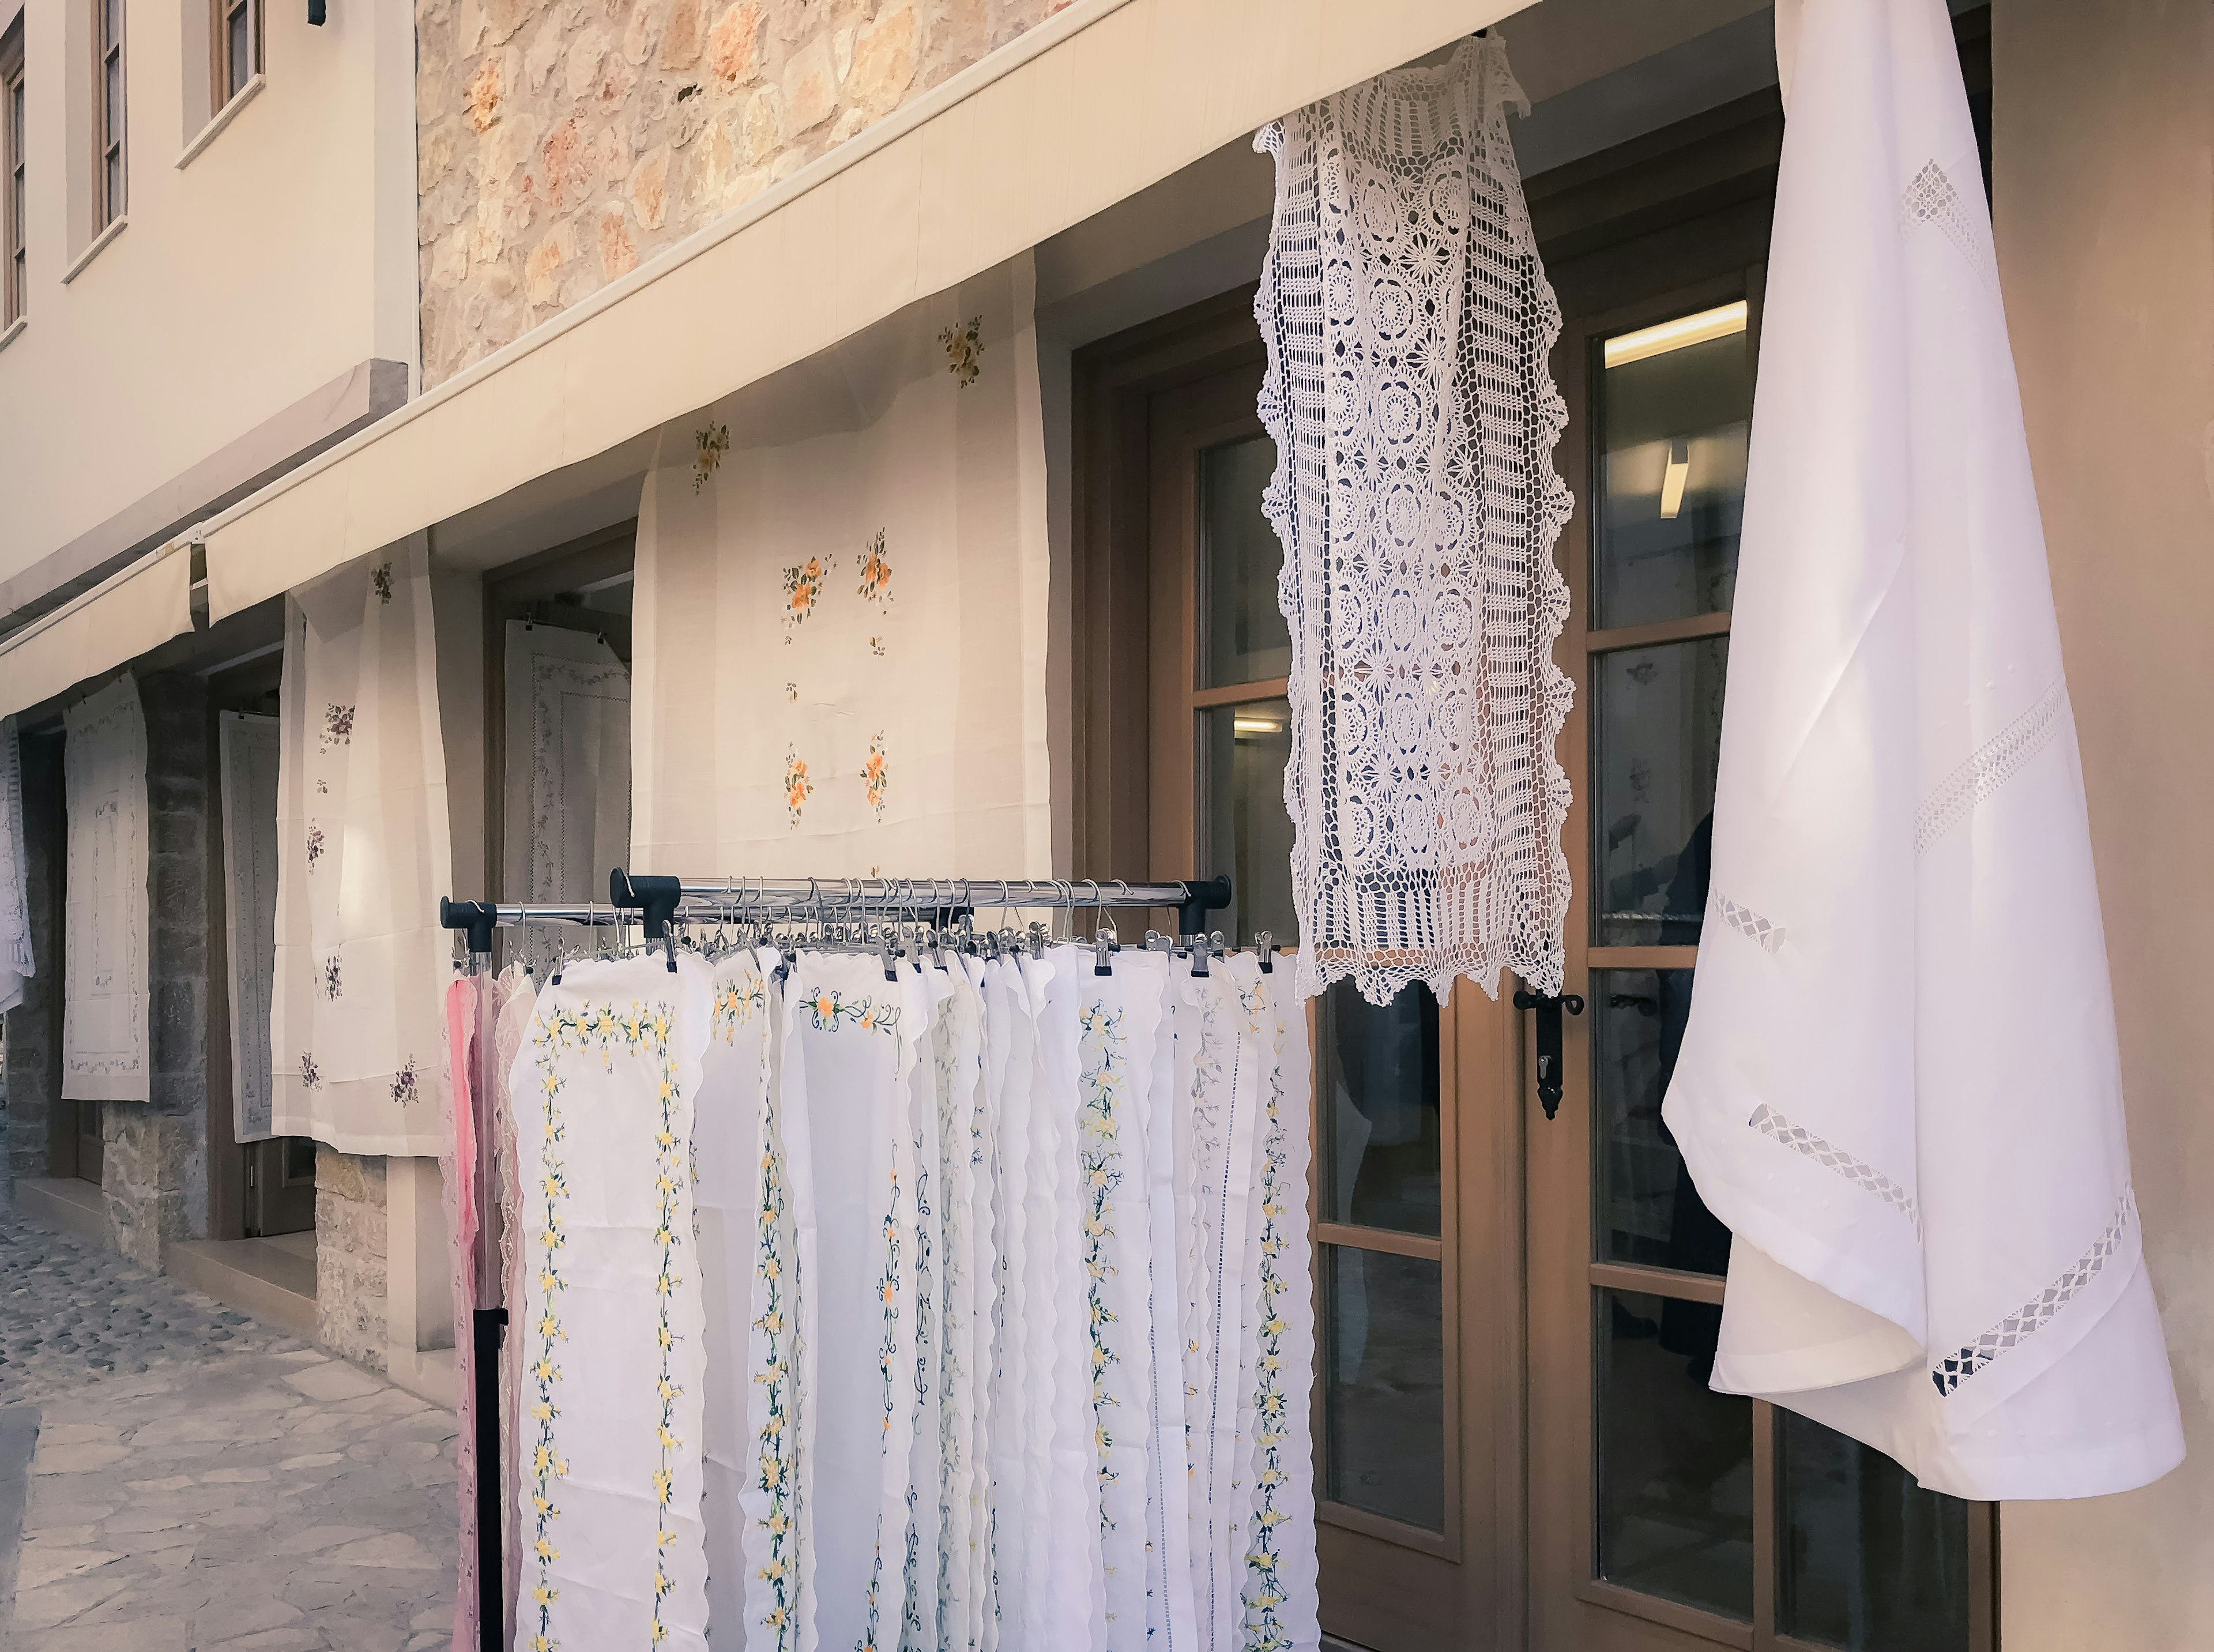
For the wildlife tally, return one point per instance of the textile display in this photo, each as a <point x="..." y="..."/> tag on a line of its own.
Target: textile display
<point x="248" y="753"/>
<point x="1407" y="320"/>
<point x="997" y="1333"/>
<point x="516" y="1000"/>
<point x="457" y="1158"/>
<point x="104" y="1006"/>
<point x="1899" y="1086"/>
<point x="613" y="1308"/>
<point x="818" y="559"/>
<point x="364" y="856"/>
<point x="15" y="962"/>
<point x="568" y="764"/>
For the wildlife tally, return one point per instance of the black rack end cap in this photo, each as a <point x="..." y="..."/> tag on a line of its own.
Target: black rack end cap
<point x="477" y="918"/>
<point x="653" y="897"/>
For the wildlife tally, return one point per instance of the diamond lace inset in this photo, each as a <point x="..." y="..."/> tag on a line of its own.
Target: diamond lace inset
<point x="1806" y="1143"/>
<point x="2034" y="1314"/>
<point x="1931" y="199"/>
<point x="1751" y="924"/>
<point x="1991" y="766"/>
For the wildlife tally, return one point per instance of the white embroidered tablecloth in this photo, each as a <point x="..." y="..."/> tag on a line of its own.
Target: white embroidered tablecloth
<point x="104" y="1008"/>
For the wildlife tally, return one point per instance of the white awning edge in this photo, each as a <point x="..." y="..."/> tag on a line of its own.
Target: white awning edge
<point x="1080" y="111"/>
<point x="137" y="607"/>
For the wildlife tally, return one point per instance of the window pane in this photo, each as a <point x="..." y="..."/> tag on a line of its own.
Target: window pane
<point x="1383" y="1354"/>
<point x="1646" y="1209"/>
<point x="1242" y="634"/>
<point x="111" y="14"/>
<point x="240" y="58"/>
<point x="1660" y="720"/>
<point x="1675" y="1462"/>
<point x="1673" y="422"/>
<point x="1871" y="1562"/>
<point x="1378" y="1087"/>
<point x="115" y="185"/>
<point x="1244" y="830"/>
<point x="114" y="99"/>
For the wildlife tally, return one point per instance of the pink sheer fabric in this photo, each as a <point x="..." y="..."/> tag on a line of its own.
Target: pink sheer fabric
<point x="517" y="998"/>
<point x="457" y="1158"/>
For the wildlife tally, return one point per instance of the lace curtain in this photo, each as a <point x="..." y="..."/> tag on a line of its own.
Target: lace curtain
<point x="1407" y="320"/>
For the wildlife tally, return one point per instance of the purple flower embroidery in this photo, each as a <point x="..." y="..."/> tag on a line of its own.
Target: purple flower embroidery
<point x="404" y="1084"/>
<point x="337" y="726"/>
<point x="314" y="844"/>
<point x="332" y="988"/>
<point x="310" y="1074"/>
<point x="381" y="576"/>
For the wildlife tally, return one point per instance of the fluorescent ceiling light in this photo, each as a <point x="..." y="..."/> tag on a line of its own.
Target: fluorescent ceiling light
<point x="1684" y="331"/>
<point x="1254" y="726"/>
<point x="1673" y="478"/>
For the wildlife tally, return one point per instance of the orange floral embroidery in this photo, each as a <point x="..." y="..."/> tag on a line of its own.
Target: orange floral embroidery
<point x="876" y="568"/>
<point x="803" y="585"/>
<point x="875" y="775"/>
<point x="798" y="788"/>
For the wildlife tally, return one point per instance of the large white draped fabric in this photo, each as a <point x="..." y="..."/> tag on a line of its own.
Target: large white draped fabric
<point x="1899" y="1085"/>
<point x="567" y="743"/>
<point x="613" y="1316"/>
<point x="840" y="612"/>
<point x="249" y="755"/>
<point x="16" y="962"/>
<point x="364" y="856"/>
<point x="105" y="1000"/>
<point x="1408" y="320"/>
<point x="938" y="1374"/>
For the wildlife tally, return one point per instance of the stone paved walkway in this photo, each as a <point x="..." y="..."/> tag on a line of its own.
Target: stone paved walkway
<point x="200" y="1480"/>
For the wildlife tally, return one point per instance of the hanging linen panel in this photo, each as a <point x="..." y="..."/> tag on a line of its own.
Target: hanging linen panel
<point x="364" y="856"/>
<point x="249" y="754"/>
<point x="1901" y="1085"/>
<point x="104" y="1019"/>
<point x="841" y="611"/>
<point x="458" y="1154"/>
<point x="613" y="1313"/>
<point x="568" y="764"/>
<point x="16" y="964"/>
<point x="1408" y="320"/>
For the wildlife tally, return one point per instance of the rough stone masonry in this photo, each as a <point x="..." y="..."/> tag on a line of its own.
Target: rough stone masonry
<point x="560" y="142"/>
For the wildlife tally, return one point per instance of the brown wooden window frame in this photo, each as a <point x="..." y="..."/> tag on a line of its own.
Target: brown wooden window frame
<point x="14" y="172"/>
<point x="111" y="105"/>
<point x="231" y="76"/>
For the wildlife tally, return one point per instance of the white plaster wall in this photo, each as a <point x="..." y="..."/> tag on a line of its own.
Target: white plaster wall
<point x="280" y="257"/>
<point x="2103" y="200"/>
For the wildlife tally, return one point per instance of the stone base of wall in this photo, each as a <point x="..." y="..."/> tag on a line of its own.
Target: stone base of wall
<point x="154" y="1177"/>
<point x="350" y="1274"/>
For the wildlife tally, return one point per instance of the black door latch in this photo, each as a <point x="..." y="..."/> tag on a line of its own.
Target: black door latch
<point x="1551" y="1067"/>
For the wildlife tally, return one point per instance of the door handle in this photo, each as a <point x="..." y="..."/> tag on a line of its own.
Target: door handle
<point x="1551" y="1067"/>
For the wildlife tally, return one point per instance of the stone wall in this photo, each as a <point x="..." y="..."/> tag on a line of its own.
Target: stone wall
<point x="34" y="1026"/>
<point x="350" y="1257"/>
<point x="155" y="1167"/>
<point x="561" y="142"/>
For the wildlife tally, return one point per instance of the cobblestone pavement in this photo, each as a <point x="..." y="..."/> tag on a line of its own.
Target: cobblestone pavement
<point x="200" y="1480"/>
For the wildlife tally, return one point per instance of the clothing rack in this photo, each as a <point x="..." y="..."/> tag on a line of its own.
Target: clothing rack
<point x="660" y="904"/>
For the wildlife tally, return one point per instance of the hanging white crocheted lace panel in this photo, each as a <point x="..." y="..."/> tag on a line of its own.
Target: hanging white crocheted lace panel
<point x="1407" y="320"/>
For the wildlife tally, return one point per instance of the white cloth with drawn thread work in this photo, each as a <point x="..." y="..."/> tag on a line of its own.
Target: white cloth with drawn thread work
<point x="364" y="855"/>
<point x="1408" y="319"/>
<point x="106" y="991"/>
<point x="983" y="1298"/>
<point x="1900" y="1086"/>
<point x="16" y="966"/>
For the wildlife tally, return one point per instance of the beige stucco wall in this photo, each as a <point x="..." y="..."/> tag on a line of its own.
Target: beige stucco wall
<point x="2104" y="198"/>
<point x="273" y="262"/>
<point x="563" y="141"/>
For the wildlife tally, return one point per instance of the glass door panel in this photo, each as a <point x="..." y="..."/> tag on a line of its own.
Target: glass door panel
<point x="1383" y="1385"/>
<point x="1377" y="1134"/>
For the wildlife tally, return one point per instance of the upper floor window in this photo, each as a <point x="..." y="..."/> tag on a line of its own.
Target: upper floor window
<point x="237" y="47"/>
<point x="11" y="161"/>
<point x="109" y="104"/>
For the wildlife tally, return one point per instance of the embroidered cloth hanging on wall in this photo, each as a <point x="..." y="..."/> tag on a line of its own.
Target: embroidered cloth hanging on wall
<point x="104" y="1028"/>
<point x="841" y="609"/>
<point x="364" y="856"/>
<point x="249" y="753"/>
<point x="1408" y="320"/>
<point x="568" y="764"/>
<point x="16" y="962"/>
<point x="1899" y="1085"/>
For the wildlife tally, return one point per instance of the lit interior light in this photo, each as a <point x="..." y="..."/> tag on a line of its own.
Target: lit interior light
<point x="1255" y="726"/>
<point x="1672" y="478"/>
<point x="1679" y="334"/>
